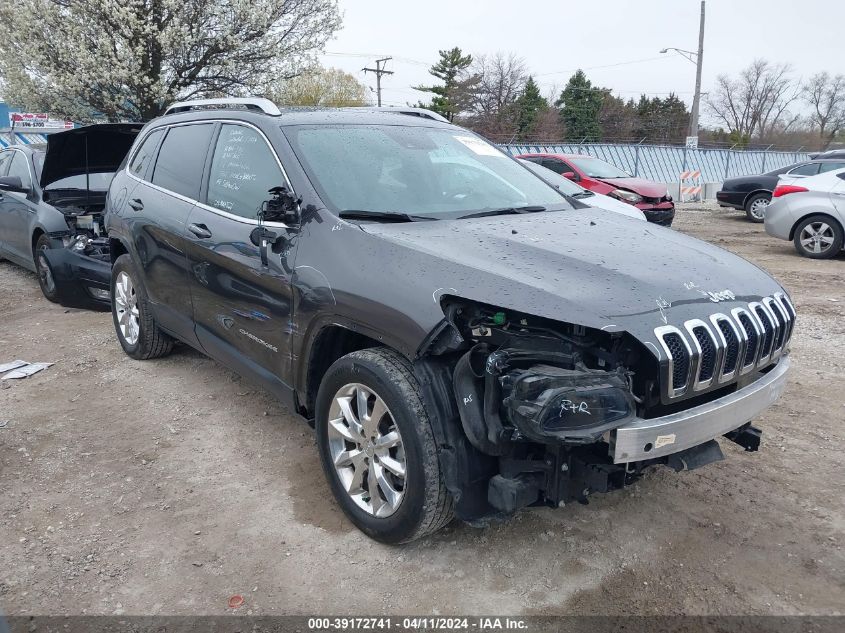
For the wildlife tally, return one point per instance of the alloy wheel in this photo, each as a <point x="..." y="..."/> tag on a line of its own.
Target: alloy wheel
<point x="44" y="272"/>
<point x="366" y="450"/>
<point x="817" y="237"/>
<point x="126" y="308"/>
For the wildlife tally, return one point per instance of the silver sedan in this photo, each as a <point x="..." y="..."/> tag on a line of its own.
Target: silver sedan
<point x="810" y="212"/>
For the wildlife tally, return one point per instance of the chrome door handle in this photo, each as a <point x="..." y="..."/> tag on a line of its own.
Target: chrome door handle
<point x="136" y="204"/>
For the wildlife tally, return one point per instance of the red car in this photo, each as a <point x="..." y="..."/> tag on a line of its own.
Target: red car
<point x="594" y="174"/>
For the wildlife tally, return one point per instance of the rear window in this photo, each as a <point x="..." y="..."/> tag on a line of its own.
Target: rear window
<point x="181" y="159"/>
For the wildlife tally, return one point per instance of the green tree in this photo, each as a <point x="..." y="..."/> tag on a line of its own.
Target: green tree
<point x="529" y="106"/>
<point x="455" y="94"/>
<point x="662" y="120"/>
<point x="580" y="105"/>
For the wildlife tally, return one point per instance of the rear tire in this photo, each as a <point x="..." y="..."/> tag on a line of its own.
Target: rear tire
<point x="401" y="504"/>
<point x="45" y="275"/>
<point x="137" y="331"/>
<point x="818" y="237"/>
<point x="755" y="207"/>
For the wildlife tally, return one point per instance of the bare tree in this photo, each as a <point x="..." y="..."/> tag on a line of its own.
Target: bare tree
<point x="826" y="96"/>
<point x="501" y="80"/>
<point x="756" y="103"/>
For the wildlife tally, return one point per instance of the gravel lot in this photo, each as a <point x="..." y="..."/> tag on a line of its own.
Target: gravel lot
<point x="165" y="487"/>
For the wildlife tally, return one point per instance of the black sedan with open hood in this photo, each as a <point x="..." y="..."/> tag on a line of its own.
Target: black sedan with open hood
<point x="51" y="209"/>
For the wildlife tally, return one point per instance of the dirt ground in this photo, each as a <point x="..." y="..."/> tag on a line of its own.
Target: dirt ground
<point x="165" y="487"/>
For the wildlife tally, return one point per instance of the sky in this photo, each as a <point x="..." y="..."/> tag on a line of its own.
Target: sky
<point x="617" y="43"/>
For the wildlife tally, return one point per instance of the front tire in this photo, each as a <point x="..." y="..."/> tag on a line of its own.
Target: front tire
<point x="818" y="237"/>
<point x="45" y="275"/>
<point x="755" y="208"/>
<point x="137" y="331"/>
<point x="377" y="447"/>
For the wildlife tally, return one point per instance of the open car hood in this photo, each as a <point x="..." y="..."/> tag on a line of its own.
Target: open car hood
<point x="105" y="146"/>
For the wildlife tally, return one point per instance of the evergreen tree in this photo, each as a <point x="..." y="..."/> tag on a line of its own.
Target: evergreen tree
<point x="529" y="105"/>
<point x="580" y="104"/>
<point x="455" y="94"/>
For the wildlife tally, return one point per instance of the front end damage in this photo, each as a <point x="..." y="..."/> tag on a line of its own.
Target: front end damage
<point x="79" y="265"/>
<point x="538" y="412"/>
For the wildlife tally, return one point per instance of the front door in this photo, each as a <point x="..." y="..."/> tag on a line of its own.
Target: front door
<point x="17" y="211"/>
<point x="157" y="214"/>
<point x="242" y="305"/>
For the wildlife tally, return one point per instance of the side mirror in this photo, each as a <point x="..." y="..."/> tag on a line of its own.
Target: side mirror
<point x="283" y="206"/>
<point x="12" y="183"/>
<point x="571" y="175"/>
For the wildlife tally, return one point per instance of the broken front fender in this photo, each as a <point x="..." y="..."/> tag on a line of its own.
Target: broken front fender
<point x="81" y="281"/>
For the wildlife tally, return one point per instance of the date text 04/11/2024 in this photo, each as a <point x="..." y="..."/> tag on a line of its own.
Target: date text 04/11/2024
<point x="417" y="623"/>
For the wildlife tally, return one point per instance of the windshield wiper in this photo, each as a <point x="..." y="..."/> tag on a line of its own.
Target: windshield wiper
<point x="582" y="194"/>
<point x="384" y="216"/>
<point x="504" y="211"/>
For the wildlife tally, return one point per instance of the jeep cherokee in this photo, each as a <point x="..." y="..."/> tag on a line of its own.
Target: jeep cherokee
<point x="464" y="340"/>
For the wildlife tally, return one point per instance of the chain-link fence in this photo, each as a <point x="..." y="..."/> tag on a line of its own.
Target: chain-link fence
<point x="664" y="163"/>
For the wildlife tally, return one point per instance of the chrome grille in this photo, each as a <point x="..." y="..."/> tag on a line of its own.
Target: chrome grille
<point x="706" y="354"/>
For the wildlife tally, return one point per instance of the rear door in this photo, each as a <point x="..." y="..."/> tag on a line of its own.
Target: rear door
<point x="17" y="211"/>
<point x="156" y="213"/>
<point x="242" y="306"/>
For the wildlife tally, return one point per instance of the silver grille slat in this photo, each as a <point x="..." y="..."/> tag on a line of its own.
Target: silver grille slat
<point x="706" y="346"/>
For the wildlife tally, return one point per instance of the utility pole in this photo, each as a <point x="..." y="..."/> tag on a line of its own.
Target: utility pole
<point x="379" y="71"/>
<point x="696" y="100"/>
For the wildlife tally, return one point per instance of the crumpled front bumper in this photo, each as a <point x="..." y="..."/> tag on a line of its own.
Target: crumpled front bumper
<point x="648" y="439"/>
<point x="81" y="282"/>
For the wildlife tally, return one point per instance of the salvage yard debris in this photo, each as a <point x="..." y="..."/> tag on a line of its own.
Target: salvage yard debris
<point x="21" y="369"/>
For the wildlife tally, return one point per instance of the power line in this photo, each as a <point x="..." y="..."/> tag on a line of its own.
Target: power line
<point x="635" y="61"/>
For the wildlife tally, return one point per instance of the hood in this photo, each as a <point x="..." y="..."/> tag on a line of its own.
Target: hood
<point x="94" y="148"/>
<point x="646" y="188"/>
<point x="588" y="267"/>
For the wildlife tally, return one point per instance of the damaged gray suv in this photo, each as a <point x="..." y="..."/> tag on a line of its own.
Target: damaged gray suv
<point x="465" y="339"/>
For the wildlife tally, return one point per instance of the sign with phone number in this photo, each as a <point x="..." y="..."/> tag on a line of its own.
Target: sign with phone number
<point x="36" y="121"/>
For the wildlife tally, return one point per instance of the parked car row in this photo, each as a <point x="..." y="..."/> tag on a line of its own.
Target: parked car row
<point x="465" y="338"/>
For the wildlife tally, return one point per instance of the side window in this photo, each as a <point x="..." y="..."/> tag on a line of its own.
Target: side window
<point x="555" y="165"/>
<point x="5" y="159"/>
<point x="243" y="169"/>
<point x="823" y="167"/>
<point x="20" y="168"/>
<point x="144" y="156"/>
<point x="808" y="169"/>
<point x="181" y="159"/>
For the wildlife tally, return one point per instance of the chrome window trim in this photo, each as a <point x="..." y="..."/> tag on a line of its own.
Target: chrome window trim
<point x="659" y="333"/>
<point x="697" y="383"/>
<point x="220" y="212"/>
<point x="741" y="343"/>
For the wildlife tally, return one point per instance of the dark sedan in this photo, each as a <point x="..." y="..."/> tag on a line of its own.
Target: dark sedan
<point x="51" y="209"/>
<point x="752" y="194"/>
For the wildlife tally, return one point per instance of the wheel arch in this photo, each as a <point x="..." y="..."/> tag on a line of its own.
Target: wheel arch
<point x="826" y="213"/>
<point x="327" y="344"/>
<point x="751" y="194"/>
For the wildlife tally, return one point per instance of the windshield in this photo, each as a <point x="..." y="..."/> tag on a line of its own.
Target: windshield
<point x="419" y="171"/>
<point x="595" y="168"/>
<point x="562" y="184"/>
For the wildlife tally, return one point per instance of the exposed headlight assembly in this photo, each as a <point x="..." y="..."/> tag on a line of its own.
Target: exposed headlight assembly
<point x="626" y="196"/>
<point x="546" y="402"/>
